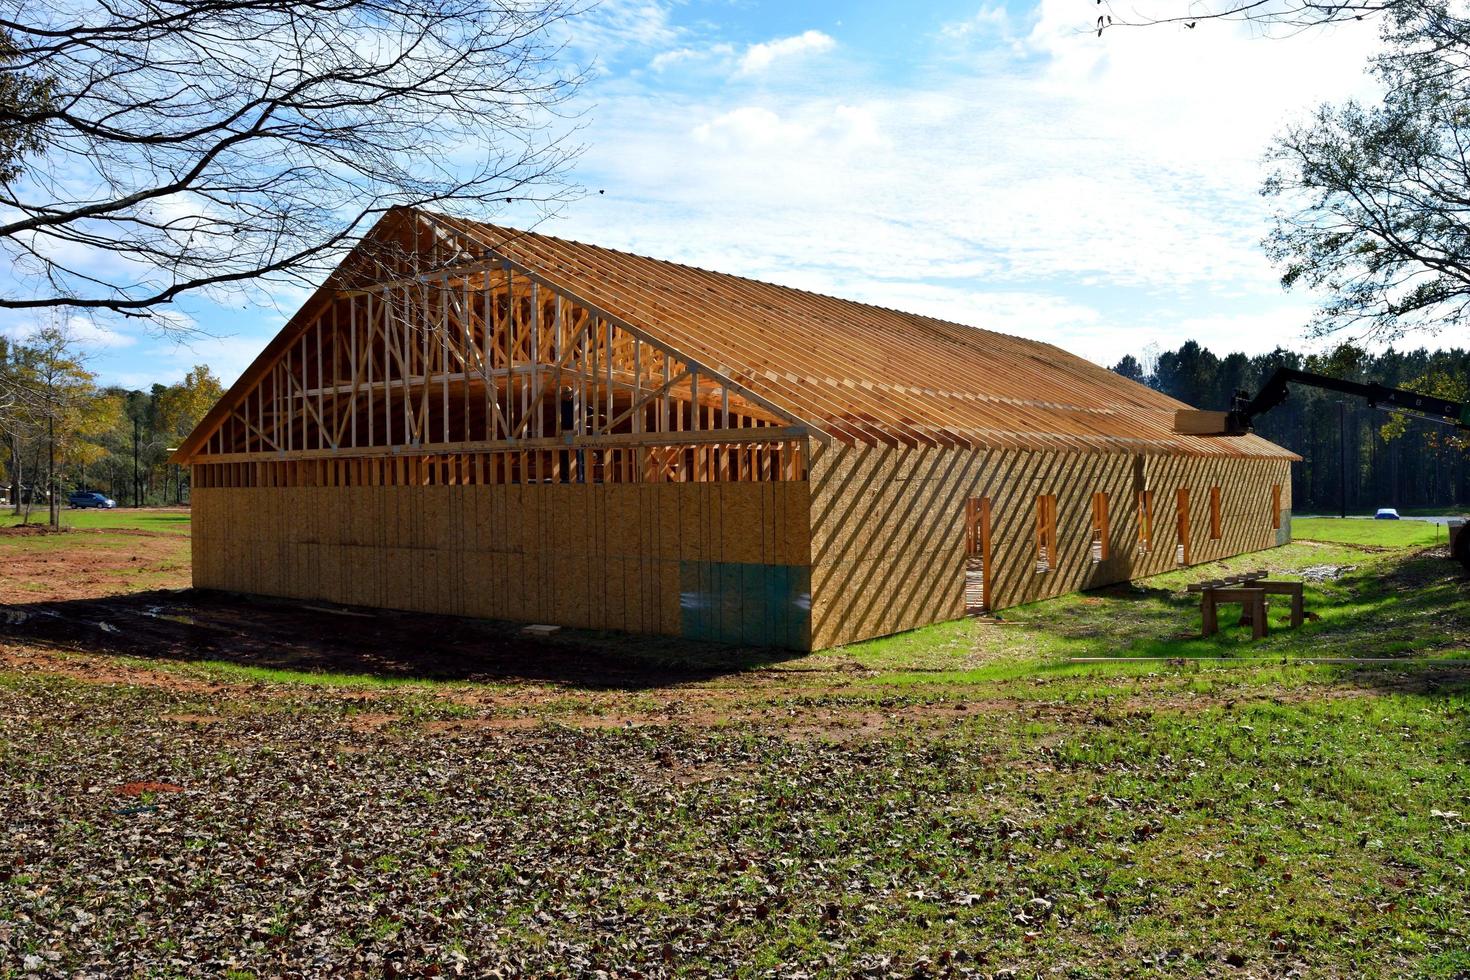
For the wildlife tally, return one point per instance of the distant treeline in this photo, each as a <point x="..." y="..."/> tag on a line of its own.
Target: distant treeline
<point x="1391" y="462"/>
<point x="60" y="431"/>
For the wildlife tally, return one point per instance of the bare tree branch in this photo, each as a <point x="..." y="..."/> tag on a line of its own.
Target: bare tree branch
<point x="187" y="147"/>
<point x="1279" y="17"/>
<point x="1376" y="199"/>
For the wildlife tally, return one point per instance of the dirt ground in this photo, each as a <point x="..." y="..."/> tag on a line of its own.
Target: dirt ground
<point x="206" y="784"/>
<point x="86" y="563"/>
<point x="190" y="625"/>
<point x="70" y="605"/>
<point x="66" y="608"/>
<point x="501" y="682"/>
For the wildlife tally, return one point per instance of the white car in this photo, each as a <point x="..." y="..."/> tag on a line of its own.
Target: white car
<point x="1386" y="514"/>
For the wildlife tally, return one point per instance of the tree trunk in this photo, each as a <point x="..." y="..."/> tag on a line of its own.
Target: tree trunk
<point x="31" y="497"/>
<point x="137" y="483"/>
<point x="55" y="504"/>
<point x="16" y="468"/>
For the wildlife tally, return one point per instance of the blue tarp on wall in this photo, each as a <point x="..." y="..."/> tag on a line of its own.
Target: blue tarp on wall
<point x="748" y="604"/>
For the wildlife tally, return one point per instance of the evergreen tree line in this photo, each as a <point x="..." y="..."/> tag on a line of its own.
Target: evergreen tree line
<point x="60" y="431"/>
<point x="1385" y="460"/>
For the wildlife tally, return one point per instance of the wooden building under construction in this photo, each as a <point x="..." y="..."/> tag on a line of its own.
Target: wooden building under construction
<point x="478" y="421"/>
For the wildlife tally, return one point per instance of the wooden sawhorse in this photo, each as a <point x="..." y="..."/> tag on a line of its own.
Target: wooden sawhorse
<point x="1250" y="590"/>
<point x="1292" y="589"/>
<point x="1252" y="602"/>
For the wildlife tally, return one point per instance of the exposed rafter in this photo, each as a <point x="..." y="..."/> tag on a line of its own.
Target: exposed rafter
<point x="487" y="356"/>
<point x="443" y="332"/>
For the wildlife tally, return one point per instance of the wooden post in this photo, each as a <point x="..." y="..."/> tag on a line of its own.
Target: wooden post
<point x="1252" y="600"/>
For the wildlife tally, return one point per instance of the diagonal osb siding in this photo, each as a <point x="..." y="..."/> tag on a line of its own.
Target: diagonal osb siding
<point x="888" y="543"/>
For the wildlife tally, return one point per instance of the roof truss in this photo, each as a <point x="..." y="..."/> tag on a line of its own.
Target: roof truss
<point x="481" y="353"/>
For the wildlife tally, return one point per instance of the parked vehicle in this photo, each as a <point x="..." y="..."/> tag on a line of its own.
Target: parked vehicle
<point x="89" y="498"/>
<point x="1386" y="514"/>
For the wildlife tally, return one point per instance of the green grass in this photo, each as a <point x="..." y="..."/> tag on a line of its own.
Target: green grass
<point x="1139" y="835"/>
<point x="1382" y="534"/>
<point x="1366" y="598"/>
<point x="171" y="522"/>
<point x="961" y="798"/>
<point x="225" y="671"/>
<point x="68" y="543"/>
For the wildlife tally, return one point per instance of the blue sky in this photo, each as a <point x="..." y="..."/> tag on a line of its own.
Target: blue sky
<point x="995" y="165"/>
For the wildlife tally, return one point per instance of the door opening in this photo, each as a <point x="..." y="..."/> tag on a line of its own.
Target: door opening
<point x="977" y="556"/>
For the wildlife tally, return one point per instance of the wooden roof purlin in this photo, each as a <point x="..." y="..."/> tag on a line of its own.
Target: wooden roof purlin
<point x="722" y="374"/>
<point x="453" y="337"/>
<point x="865" y="373"/>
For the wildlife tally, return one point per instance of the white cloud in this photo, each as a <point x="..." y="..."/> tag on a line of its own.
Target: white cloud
<point x="749" y="128"/>
<point x="987" y="22"/>
<point x="88" y="333"/>
<point x="1012" y="312"/>
<point x="759" y="57"/>
<point x="227" y="357"/>
<point x="678" y="56"/>
<point x="91" y="334"/>
<point x="1106" y="180"/>
<point x="754" y="60"/>
<point x="667" y="59"/>
<point x="606" y="30"/>
<point x="987" y="19"/>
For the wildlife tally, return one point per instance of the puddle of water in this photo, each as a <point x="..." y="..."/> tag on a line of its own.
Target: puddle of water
<point x="16" y="617"/>
<point x="157" y="613"/>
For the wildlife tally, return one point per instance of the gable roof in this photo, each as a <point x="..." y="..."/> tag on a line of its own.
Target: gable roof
<point x="840" y="366"/>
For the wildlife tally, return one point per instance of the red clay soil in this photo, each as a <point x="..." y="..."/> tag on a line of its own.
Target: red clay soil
<point x="139" y="788"/>
<point x="26" y="531"/>
<point x="83" y="568"/>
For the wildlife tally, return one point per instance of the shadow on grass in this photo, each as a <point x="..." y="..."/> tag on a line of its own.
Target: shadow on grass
<point x="261" y="636"/>
<point x="1413" y="604"/>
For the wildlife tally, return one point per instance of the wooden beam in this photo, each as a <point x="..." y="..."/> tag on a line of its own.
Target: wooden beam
<point x="711" y="437"/>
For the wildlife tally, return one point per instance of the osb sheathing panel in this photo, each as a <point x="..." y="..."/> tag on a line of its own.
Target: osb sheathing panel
<point x="888" y="543"/>
<point x="601" y="556"/>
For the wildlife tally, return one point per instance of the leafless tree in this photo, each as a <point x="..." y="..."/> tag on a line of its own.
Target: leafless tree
<point x="1278" y="17"/>
<point x="188" y="146"/>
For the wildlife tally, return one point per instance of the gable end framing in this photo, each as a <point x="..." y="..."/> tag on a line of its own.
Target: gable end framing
<point x="484" y="356"/>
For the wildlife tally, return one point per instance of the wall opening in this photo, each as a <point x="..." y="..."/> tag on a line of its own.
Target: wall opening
<point x="745" y="463"/>
<point x="978" y="565"/>
<point x="1100" y="546"/>
<point x="1145" y="521"/>
<point x="1276" y="506"/>
<point x="1046" y="533"/>
<point x="1181" y="506"/>
<point x="1215" y="514"/>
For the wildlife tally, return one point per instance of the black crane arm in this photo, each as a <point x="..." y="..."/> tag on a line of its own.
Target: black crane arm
<point x="1243" y="413"/>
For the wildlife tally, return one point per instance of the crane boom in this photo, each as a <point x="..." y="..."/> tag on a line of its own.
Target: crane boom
<point x="1243" y="413"/>
<point x="1241" y="417"/>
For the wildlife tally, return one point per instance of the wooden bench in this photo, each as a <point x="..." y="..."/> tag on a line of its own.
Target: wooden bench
<point x="1250" y="590"/>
